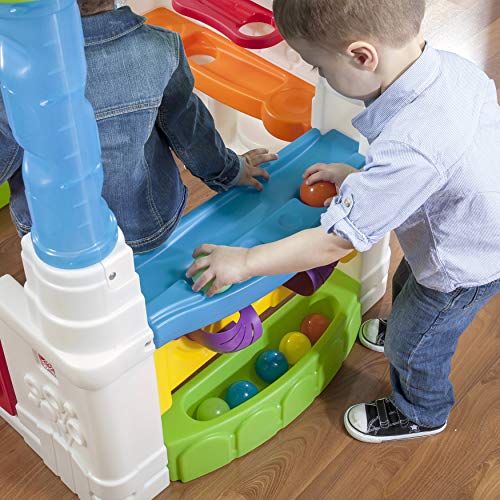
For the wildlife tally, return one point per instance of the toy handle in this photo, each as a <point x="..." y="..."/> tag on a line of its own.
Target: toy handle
<point x="228" y="17"/>
<point x="235" y="336"/>
<point x="308" y="282"/>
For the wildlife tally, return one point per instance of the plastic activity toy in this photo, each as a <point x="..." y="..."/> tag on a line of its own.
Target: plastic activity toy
<point x="230" y="16"/>
<point x="241" y="79"/>
<point x="98" y="340"/>
<point x="313" y="326"/>
<point x="196" y="448"/>
<point x="212" y="408"/>
<point x="240" y="217"/>
<point x="271" y="365"/>
<point x="7" y="395"/>
<point x="240" y="392"/>
<point x="315" y="195"/>
<point x="295" y="345"/>
<point x="4" y="195"/>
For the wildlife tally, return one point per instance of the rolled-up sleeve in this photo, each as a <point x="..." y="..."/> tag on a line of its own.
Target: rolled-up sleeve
<point x="396" y="181"/>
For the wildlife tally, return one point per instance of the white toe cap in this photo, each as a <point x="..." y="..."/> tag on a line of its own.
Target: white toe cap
<point x="370" y="330"/>
<point x="357" y="417"/>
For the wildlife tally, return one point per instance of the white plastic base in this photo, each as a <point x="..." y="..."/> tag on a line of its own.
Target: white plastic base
<point x="80" y="355"/>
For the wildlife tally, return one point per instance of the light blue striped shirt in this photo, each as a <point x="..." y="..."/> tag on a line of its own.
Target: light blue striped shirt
<point x="432" y="174"/>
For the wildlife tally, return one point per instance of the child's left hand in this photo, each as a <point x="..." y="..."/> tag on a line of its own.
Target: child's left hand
<point x="224" y="265"/>
<point x="252" y="170"/>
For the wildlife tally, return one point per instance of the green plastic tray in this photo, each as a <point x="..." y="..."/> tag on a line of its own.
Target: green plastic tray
<point x="4" y="195"/>
<point x="196" y="448"/>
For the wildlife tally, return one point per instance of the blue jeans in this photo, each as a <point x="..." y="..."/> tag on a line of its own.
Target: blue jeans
<point x="422" y="335"/>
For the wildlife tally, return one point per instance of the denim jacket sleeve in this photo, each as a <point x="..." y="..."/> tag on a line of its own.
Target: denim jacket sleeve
<point x="191" y="133"/>
<point x="11" y="154"/>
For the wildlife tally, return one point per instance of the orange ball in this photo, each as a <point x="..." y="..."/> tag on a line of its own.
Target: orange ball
<point x="314" y="325"/>
<point x="316" y="194"/>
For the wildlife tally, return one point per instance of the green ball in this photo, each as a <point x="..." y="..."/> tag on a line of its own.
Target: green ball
<point x="211" y="408"/>
<point x="206" y="288"/>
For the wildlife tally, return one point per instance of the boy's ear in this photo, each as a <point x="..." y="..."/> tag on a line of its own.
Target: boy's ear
<point x="364" y="55"/>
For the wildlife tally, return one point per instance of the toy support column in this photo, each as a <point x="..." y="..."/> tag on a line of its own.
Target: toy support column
<point x="76" y="339"/>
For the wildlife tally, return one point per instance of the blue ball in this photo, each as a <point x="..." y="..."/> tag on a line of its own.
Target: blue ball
<point x="239" y="392"/>
<point x="271" y="365"/>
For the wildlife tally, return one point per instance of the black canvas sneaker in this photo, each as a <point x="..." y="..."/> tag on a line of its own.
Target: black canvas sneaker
<point x="381" y="421"/>
<point x="372" y="334"/>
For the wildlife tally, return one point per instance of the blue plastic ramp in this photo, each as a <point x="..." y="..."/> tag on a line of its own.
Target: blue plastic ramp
<point x="240" y="217"/>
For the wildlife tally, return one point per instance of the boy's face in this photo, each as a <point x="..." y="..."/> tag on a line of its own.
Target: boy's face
<point x="344" y="72"/>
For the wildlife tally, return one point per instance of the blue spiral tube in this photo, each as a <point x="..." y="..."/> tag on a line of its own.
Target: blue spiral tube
<point x="43" y="75"/>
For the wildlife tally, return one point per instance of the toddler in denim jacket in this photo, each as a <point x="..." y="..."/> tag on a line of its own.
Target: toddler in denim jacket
<point x="141" y="89"/>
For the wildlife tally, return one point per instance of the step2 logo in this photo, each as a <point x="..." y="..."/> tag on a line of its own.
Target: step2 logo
<point x="48" y="366"/>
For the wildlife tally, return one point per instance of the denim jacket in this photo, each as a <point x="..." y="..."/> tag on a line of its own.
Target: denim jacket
<point x="141" y="89"/>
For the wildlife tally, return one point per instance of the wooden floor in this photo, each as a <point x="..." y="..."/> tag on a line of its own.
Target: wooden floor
<point x="314" y="458"/>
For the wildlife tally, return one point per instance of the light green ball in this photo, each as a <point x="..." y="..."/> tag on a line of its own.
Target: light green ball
<point x="211" y="408"/>
<point x="206" y="288"/>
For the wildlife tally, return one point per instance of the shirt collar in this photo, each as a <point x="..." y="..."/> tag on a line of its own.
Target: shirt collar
<point x="415" y="80"/>
<point x="110" y="25"/>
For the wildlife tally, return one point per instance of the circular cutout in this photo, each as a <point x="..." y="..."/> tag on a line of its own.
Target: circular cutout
<point x="201" y="59"/>
<point x="256" y="29"/>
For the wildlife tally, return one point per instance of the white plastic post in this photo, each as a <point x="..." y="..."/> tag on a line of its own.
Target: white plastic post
<point x="80" y="355"/>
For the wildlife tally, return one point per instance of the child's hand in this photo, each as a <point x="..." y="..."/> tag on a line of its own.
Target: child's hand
<point x="252" y="170"/>
<point x="335" y="173"/>
<point x="224" y="265"/>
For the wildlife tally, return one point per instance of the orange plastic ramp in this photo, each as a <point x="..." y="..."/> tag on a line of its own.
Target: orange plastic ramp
<point x="241" y="79"/>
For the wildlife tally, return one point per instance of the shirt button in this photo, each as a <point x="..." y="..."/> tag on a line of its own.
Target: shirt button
<point x="347" y="202"/>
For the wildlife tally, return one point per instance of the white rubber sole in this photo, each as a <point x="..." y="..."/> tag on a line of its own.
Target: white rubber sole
<point x="360" y="436"/>
<point x="368" y="344"/>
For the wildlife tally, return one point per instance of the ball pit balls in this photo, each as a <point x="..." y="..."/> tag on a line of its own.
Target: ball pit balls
<point x="206" y="288"/>
<point x="316" y="194"/>
<point x="314" y="325"/>
<point x="294" y="345"/>
<point x="211" y="408"/>
<point x="239" y="392"/>
<point x="271" y="365"/>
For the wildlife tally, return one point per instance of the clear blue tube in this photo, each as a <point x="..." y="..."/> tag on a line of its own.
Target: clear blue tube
<point x="43" y="75"/>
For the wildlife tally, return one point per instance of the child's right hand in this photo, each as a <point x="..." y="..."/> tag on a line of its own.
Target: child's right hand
<point x="335" y="173"/>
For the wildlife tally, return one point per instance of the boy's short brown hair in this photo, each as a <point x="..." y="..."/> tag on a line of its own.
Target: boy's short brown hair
<point x="92" y="7"/>
<point x="338" y="23"/>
